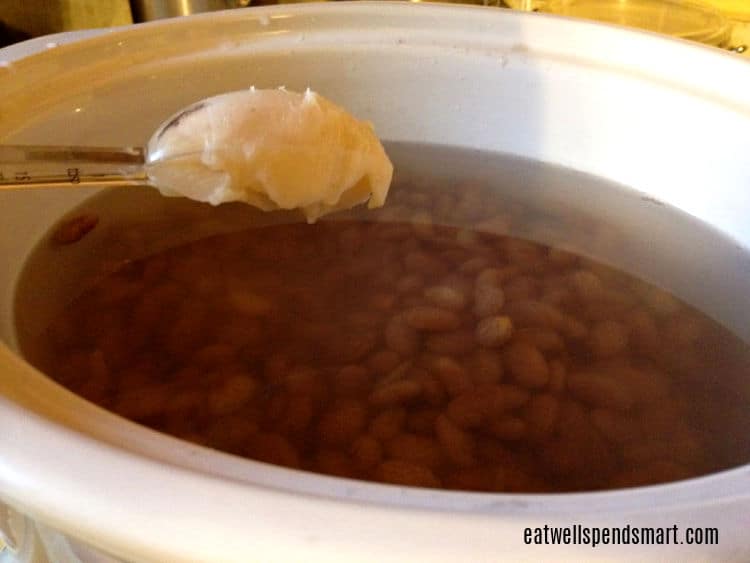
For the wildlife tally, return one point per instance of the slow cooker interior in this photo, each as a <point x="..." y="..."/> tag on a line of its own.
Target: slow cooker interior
<point x="522" y="107"/>
<point x="271" y="339"/>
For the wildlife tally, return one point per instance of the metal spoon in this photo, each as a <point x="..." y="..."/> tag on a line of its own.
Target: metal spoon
<point x="272" y="149"/>
<point x="59" y="166"/>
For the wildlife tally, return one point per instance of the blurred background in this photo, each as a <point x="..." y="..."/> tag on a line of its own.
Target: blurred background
<point x="722" y="23"/>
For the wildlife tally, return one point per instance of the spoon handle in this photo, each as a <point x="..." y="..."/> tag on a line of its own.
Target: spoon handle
<point x="39" y="166"/>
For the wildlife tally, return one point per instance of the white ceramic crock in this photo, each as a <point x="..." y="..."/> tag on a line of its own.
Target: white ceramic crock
<point x="668" y="118"/>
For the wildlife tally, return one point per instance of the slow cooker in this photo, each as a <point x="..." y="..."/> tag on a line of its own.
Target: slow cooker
<point x="664" y="117"/>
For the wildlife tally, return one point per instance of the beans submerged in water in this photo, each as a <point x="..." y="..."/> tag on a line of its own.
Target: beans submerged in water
<point x="404" y="352"/>
<point x="74" y="229"/>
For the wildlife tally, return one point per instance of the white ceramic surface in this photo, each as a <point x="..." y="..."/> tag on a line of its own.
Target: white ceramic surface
<point x="666" y="117"/>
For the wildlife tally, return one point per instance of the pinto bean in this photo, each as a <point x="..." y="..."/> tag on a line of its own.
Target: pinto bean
<point x="446" y="297"/>
<point x="366" y="452"/>
<point x="557" y="376"/>
<point x="399" y="472"/>
<point x="509" y="428"/>
<point x="410" y="283"/>
<point x="388" y="423"/>
<point x="574" y="329"/>
<point x="643" y="331"/>
<point x="231" y="394"/>
<point x="421" y="222"/>
<point x="453" y="376"/>
<point x="493" y="332"/>
<point x="352" y="380"/>
<point x="396" y="392"/>
<point x="431" y="319"/>
<point x="344" y="422"/>
<point x="520" y="288"/>
<point x="383" y="361"/>
<point x="453" y="343"/>
<point x="495" y="276"/>
<point x="586" y="284"/>
<point x="646" y="386"/>
<point x="416" y="449"/>
<point x="545" y="340"/>
<point x="659" y="301"/>
<point x="304" y="381"/>
<point x="333" y="462"/>
<point x="432" y="391"/>
<point x="608" y="338"/>
<point x="274" y="448"/>
<point x="486" y="367"/>
<point x="300" y="411"/>
<point x="488" y="300"/>
<point x="541" y="414"/>
<point x="74" y="229"/>
<point x="503" y="397"/>
<point x="457" y="445"/>
<point x="423" y="264"/>
<point x="140" y="403"/>
<point x="529" y="313"/>
<point x="467" y="410"/>
<point x="473" y="265"/>
<point x="614" y="426"/>
<point x="402" y="338"/>
<point x="471" y="479"/>
<point x="526" y="365"/>
<point x="600" y="390"/>
<point x="422" y="420"/>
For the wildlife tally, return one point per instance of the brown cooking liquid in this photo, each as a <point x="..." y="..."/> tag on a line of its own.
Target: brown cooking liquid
<point x="408" y="353"/>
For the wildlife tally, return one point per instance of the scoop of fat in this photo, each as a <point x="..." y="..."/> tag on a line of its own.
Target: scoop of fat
<point x="274" y="149"/>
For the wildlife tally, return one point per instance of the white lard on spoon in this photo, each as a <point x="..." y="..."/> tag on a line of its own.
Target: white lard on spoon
<point x="273" y="149"/>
